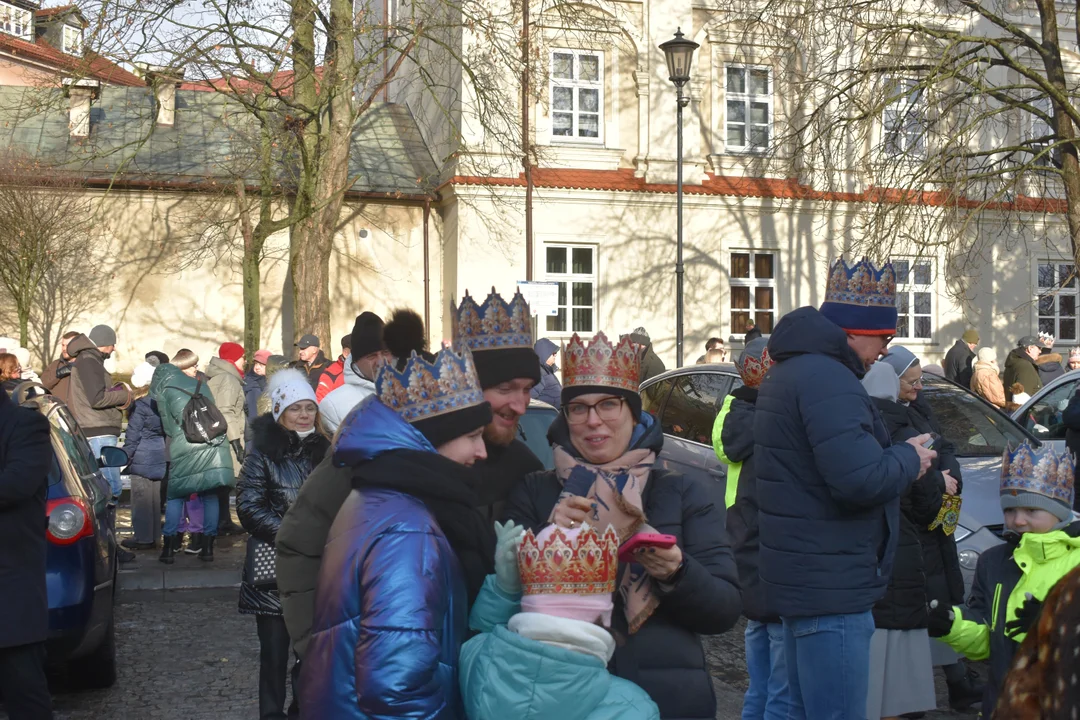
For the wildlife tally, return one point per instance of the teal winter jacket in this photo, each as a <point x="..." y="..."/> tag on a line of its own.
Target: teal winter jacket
<point x="505" y="675"/>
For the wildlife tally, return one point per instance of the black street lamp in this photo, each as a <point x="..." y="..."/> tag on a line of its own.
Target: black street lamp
<point x="679" y="53"/>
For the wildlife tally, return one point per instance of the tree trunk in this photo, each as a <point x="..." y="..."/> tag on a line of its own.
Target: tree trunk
<point x="24" y="327"/>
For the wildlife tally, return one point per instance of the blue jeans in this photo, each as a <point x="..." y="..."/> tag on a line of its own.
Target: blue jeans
<point x="111" y="474"/>
<point x="174" y="508"/>
<point x="768" y="697"/>
<point x="828" y="660"/>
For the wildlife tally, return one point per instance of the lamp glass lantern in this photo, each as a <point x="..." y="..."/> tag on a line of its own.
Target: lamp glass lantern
<point x="679" y="53"/>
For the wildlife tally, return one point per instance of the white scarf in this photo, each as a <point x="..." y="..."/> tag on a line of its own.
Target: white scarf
<point x="575" y="635"/>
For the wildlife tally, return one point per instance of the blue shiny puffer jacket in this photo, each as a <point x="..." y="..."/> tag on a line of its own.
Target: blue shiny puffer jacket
<point x="390" y="604"/>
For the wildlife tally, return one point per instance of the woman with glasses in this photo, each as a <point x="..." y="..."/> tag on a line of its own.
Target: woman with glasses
<point x="605" y="473"/>
<point x="944" y="580"/>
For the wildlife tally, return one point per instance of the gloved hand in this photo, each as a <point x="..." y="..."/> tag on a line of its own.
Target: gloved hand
<point x="940" y="620"/>
<point x="1026" y="615"/>
<point x="238" y="450"/>
<point x="507" y="540"/>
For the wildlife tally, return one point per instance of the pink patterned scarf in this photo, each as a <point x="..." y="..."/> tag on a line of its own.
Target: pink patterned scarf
<point x="616" y="489"/>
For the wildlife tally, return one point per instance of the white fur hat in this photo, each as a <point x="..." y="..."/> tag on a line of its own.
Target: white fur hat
<point x="142" y="375"/>
<point x="286" y="387"/>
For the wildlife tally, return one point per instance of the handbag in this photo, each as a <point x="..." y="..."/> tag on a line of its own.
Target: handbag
<point x="260" y="565"/>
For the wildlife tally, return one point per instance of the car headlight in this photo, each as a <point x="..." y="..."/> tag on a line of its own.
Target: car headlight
<point x="968" y="559"/>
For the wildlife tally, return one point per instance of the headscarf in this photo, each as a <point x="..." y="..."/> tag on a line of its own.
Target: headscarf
<point x="900" y="358"/>
<point x="881" y="381"/>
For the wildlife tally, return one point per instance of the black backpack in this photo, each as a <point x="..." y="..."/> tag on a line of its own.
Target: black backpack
<point x="201" y="420"/>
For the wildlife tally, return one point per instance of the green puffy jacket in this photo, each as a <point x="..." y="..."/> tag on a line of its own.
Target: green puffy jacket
<point x="194" y="467"/>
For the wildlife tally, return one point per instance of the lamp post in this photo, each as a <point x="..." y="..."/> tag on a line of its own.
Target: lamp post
<point x="679" y="53"/>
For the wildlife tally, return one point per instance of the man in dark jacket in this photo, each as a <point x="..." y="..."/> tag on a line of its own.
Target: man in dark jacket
<point x="310" y="354"/>
<point x="959" y="359"/>
<point x="549" y="389"/>
<point x="25" y="453"/>
<point x="651" y="364"/>
<point x="97" y="404"/>
<point x="829" y="487"/>
<point x="752" y="332"/>
<point x="254" y="385"/>
<point x="1020" y="367"/>
<point x="769" y="695"/>
<point x="57" y="375"/>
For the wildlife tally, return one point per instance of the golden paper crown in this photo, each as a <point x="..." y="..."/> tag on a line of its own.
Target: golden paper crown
<point x="601" y="363"/>
<point x="555" y="564"/>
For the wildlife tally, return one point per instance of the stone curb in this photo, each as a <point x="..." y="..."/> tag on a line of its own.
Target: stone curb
<point x="177" y="579"/>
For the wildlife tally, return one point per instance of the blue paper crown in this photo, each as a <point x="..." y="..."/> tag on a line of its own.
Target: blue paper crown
<point x="495" y="325"/>
<point x="1042" y="471"/>
<point x="426" y="389"/>
<point x="861" y="298"/>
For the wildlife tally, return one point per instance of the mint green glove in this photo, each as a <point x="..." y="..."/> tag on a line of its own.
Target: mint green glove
<point x="507" y="539"/>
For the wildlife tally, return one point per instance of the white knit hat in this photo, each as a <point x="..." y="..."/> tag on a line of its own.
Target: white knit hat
<point x="142" y="375"/>
<point x="286" y="387"/>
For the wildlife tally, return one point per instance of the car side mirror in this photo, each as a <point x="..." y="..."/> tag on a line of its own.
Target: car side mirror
<point x="112" y="457"/>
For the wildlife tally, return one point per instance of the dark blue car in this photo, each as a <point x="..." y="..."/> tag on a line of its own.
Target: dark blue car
<point x="81" y="564"/>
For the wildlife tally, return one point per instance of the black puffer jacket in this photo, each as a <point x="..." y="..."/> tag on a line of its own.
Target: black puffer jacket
<point x="904" y="606"/>
<point x="665" y="657"/>
<point x="274" y="470"/>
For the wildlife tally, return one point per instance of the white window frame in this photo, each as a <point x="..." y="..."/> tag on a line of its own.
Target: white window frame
<point x="1036" y="127"/>
<point x="569" y="278"/>
<point x="904" y="106"/>
<point x="73" y="47"/>
<point x="753" y="283"/>
<point x="748" y="99"/>
<point x="576" y="85"/>
<point x="908" y="290"/>
<point x="1057" y="291"/>
<point x="16" y="21"/>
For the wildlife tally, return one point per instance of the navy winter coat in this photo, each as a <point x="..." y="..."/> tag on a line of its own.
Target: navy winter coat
<point x="144" y="441"/>
<point x="829" y="485"/>
<point x="549" y="389"/>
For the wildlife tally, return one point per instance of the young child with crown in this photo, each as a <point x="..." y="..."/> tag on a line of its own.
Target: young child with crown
<point x="1012" y="580"/>
<point x="550" y="660"/>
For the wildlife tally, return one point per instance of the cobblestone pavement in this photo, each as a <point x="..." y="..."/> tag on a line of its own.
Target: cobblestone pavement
<point x="188" y="655"/>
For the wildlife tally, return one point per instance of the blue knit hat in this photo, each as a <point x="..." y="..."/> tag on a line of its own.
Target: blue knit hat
<point x="861" y="299"/>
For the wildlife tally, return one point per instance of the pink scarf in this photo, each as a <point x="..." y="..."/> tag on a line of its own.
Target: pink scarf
<point x="616" y="489"/>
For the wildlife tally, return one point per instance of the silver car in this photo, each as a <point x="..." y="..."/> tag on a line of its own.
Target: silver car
<point x="1041" y="415"/>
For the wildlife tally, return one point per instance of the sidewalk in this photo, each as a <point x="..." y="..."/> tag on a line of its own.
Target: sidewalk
<point x="188" y="572"/>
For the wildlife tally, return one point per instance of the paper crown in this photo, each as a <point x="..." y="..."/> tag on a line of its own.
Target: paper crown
<point x="752" y="369"/>
<point x="1042" y="471"/>
<point x="426" y="389"/>
<point x="495" y="325"/>
<point x="558" y="565"/>
<point x="861" y="299"/>
<point x="601" y="363"/>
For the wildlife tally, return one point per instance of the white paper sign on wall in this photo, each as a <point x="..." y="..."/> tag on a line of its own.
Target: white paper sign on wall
<point x="543" y="297"/>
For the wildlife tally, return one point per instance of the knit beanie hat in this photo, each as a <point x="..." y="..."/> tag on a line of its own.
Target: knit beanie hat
<point x="231" y="352"/>
<point x="989" y="355"/>
<point x="971" y="335"/>
<point x="102" y="336"/>
<point x="569" y="572"/>
<point x="142" y="375"/>
<point x="899" y="358"/>
<point x="156" y="357"/>
<point x="367" y="335"/>
<point x="287" y="387"/>
<point x="861" y="299"/>
<point x="1041" y="479"/>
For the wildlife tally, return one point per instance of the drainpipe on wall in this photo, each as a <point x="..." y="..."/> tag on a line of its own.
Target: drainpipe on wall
<point x="427" y="267"/>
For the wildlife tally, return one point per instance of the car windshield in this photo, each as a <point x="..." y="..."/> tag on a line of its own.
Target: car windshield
<point x="974" y="427"/>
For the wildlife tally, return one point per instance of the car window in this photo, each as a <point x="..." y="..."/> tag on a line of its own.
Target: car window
<point x="694" y="404"/>
<point x="532" y="429"/>
<point x="973" y="426"/>
<point x="75" y="445"/>
<point x="1043" y="417"/>
<point x="652" y="397"/>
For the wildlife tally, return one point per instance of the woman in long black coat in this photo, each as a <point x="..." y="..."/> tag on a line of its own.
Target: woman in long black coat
<point x="287" y="447"/>
<point x="605" y="455"/>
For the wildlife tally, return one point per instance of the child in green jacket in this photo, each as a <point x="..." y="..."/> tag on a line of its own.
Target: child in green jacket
<point x="1011" y="580"/>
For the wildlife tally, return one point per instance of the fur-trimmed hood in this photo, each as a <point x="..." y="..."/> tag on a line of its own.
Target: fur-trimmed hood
<point x="276" y="443"/>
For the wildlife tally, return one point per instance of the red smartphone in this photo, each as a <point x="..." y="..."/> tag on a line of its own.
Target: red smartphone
<point x="644" y="540"/>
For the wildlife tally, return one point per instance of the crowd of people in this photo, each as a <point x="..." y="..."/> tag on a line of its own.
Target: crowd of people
<point x="413" y="558"/>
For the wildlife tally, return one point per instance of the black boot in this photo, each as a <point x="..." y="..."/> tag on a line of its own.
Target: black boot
<point x="965" y="692"/>
<point x="195" y="542"/>
<point x="207" y="552"/>
<point x="178" y="542"/>
<point x="167" y="549"/>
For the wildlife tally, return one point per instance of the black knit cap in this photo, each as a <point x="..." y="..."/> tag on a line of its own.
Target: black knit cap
<point x="633" y="399"/>
<point x="494" y="367"/>
<point x="441" y="429"/>
<point x="367" y="335"/>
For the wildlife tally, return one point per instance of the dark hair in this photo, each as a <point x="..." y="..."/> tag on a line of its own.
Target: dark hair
<point x="713" y="342"/>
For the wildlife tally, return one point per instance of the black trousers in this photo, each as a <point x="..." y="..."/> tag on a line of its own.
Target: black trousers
<point x="224" y="514"/>
<point x="274" y="651"/>
<point x="23" y="684"/>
